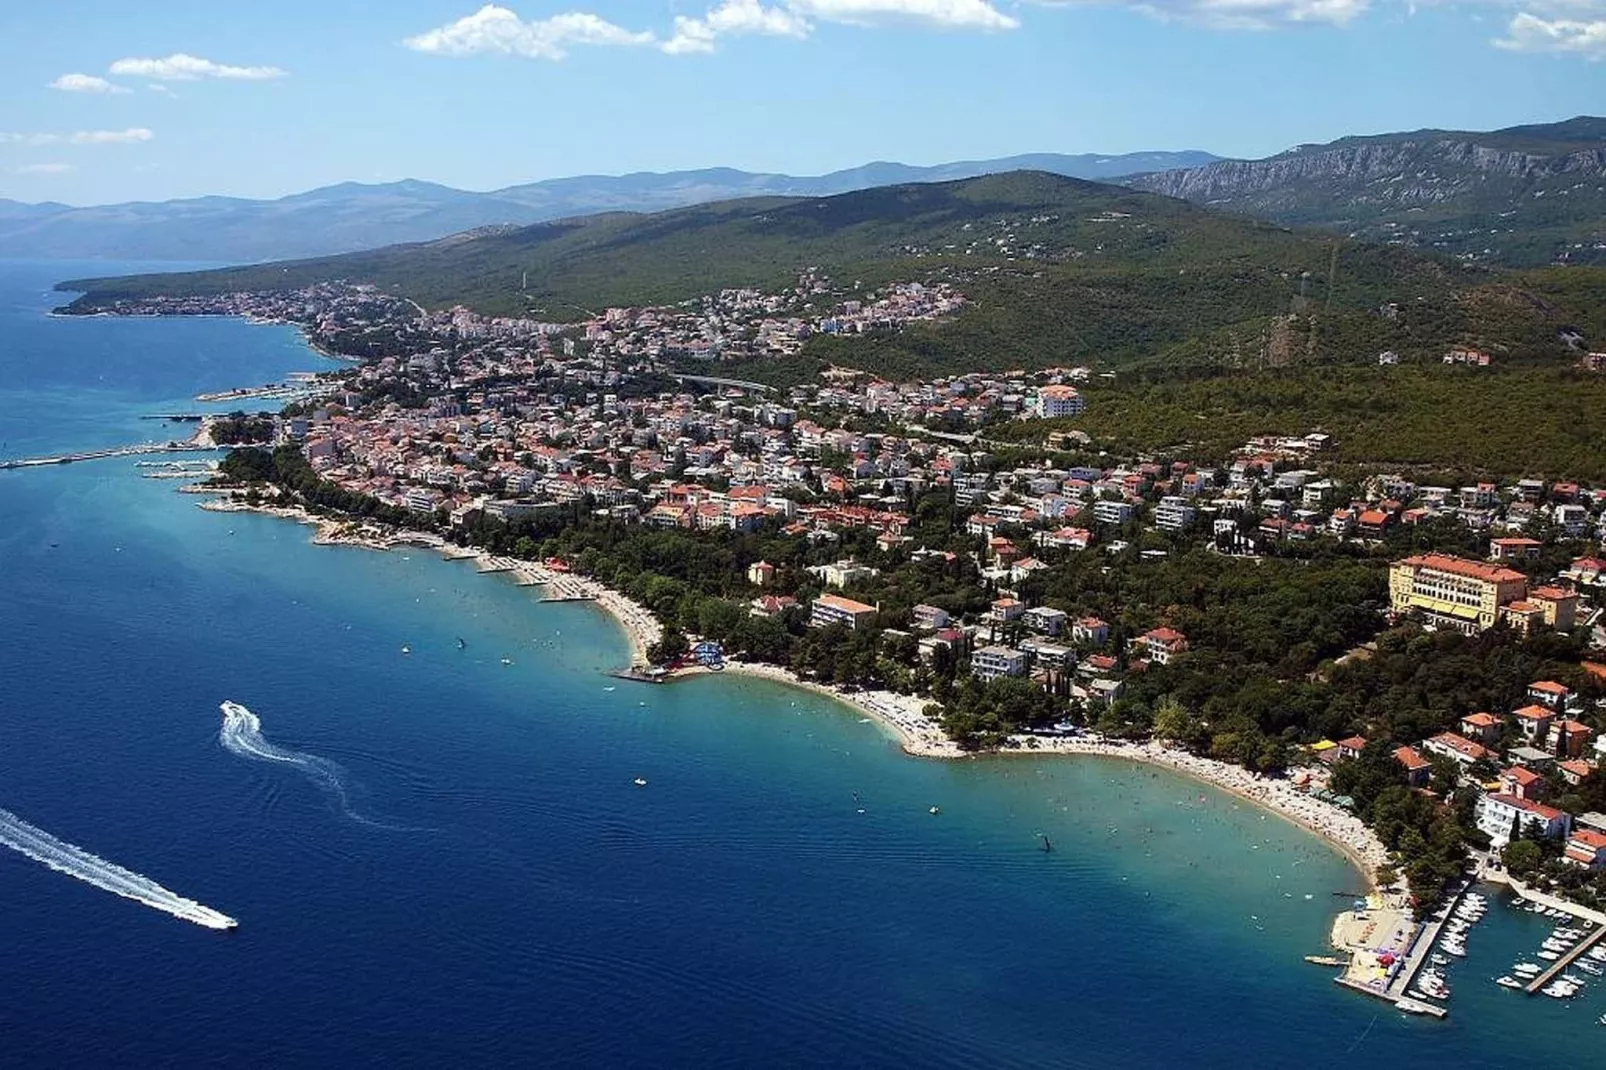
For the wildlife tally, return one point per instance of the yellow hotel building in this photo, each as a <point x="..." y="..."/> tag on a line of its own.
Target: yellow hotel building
<point x="1452" y="591"/>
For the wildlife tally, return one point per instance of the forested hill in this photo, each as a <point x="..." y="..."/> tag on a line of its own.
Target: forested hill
<point x="1056" y="269"/>
<point x="1523" y="196"/>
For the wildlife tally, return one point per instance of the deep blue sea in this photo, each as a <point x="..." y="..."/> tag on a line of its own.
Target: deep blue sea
<point x="483" y="881"/>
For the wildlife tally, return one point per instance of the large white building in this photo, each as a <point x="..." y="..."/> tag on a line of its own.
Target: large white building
<point x="991" y="662"/>
<point x="1059" y="401"/>
<point x="1173" y="513"/>
<point x="1496" y="815"/>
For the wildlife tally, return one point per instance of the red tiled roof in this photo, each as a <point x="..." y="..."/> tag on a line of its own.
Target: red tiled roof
<point x="1550" y="687"/>
<point x="1461" y="567"/>
<point x="1408" y="757"/>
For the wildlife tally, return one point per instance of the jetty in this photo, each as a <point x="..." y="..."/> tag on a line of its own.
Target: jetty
<point x="101" y="455"/>
<point x="1566" y="960"/>
<point x="176" y="417"/>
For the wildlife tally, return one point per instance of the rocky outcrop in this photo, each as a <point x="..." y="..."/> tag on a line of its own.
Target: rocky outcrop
<point x="1448" y="190"/>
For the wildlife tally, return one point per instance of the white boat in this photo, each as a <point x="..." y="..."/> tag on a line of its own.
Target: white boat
<point x="1589" y="968"/>
<point x="640" y="782"/>
<point x="1508" y="982"/>
<point x="1549" y="956"/>
<point x="1458" y="950"/>
<point x="1597" y="953"/>
<point x="1440" y="960"/>
<point x="1528" y="969"/>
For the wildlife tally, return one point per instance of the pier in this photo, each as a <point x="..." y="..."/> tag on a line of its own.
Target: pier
<point x="176" y="417"/>
<point x="114" y="451"/>
<point x="1566" y="960"/>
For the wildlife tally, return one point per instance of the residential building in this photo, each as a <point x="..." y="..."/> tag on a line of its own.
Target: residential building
<point x="834" y="609"/>
<point x="1586" y="847"/>
<point x="1059" y="401"/>
<point x="1549" y="693"/>
<point x="1558" y="606"/>
<point x="1173" y="513"/>
<point x="1452" y="591"/>
<point x="770" y="605"/>
<point x="1163" y="644"/>
<point x="1483" y="727"/>
<point x="1514" y="548"/>
<point x="1534" y="723"/>
<point x="1497" y="815"/>
<point x="1567" y="739"/>
<point x="1418" y="770"/>
<point x="929" y="618"/>
<point x="1112" y="512"/>
<point x="1006" y="610"/>
<point x="1351" y="747"/>
<point x="1523" y="783"/>
<point x="1045" y="620"/>
<point x="761" y="573"/>
<point x="1457" y="748"/>
<point x="1090" y="630"/>
<point x="991" y="662"/>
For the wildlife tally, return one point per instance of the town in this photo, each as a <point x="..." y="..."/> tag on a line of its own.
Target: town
<point x="872" y="535"/>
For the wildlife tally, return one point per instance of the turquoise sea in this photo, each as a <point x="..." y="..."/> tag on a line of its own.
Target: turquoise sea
<point x="458" y="868"/>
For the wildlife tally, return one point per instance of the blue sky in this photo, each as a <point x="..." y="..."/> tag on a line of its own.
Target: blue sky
<point x="105" y="100"/>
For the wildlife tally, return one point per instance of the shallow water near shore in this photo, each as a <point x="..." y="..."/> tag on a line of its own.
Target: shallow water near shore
<point x="777" y="893"/>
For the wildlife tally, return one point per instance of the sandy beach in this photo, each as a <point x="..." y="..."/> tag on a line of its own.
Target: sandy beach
<point x="903" y="716"/>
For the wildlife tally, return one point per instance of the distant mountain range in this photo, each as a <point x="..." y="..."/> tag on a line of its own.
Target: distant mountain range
<point x="354" y="216"/>
<point x="1522" y="196"/>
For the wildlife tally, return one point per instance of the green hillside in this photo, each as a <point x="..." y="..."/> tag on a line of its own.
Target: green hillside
<point x="1058" y="270"/>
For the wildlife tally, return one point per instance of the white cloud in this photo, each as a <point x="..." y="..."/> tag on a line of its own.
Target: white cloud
<point x="1576" y="37"/>
<point x="44" y="168"/>
<point x="81" y="137"/>
<point x="496" y="29"/>
<point x="87" y="83"/>
<point x="110" y="137"/>
<point x="733" y="18"/>
<point x="182" y="67"/>
<point x="945" y="14"/>
<point x="1237" y="14"/>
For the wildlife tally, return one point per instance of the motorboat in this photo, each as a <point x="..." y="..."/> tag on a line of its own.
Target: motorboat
<point x="1549" y="956"/>
<point x="1440" y="960"/>
<point x="1508" y="982"/>
<point x="1527" y="969"/>
<point x="1590" y="968"/>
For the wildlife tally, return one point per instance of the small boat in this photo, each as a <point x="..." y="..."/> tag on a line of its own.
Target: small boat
<point x="1589" y="968"/>
<point x="407" y="650"/>
<point x="935" y="810"/>
<point x="1529" y="968"/>
<point x="1601" y="1019"/>
<point x="460" y="643"/>
<point x="640" y="782"/>
<point x="1440" y="960"/>
<point x="507" y="661"/>
<point x="1549" y="956"/>
<point x="1508" y="982"/>
<point x="1047" y="845"/>
<point x="1325" y="960"/>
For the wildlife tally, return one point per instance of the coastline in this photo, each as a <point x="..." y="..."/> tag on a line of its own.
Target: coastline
<point x="902" y="717"/>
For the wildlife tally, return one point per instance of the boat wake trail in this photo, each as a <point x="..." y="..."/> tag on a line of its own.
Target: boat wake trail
<point x="241" y="735"/>
<point x="44" y="848"/>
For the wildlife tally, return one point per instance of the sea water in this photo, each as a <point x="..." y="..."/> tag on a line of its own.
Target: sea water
<point x="490" y="884"/>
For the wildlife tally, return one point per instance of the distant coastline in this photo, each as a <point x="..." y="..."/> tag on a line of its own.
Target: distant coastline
<point x="900" y="716"/>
